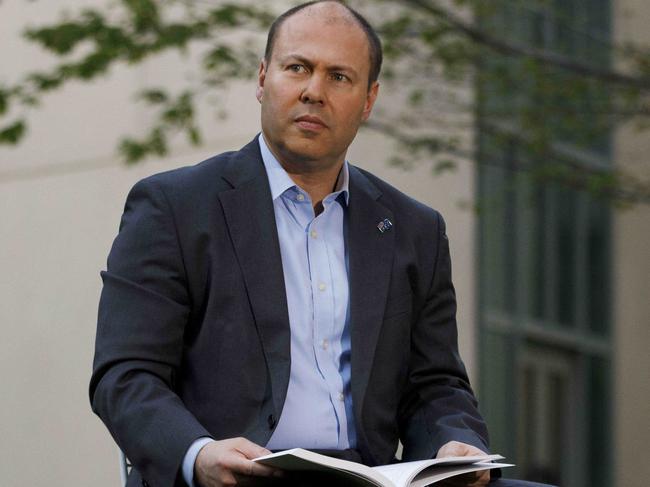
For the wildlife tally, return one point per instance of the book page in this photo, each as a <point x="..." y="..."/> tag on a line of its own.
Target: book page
<point x="425" y="472"/>
<point x="301" y="460"/>
<point x="401" y="474"/>
<point x="436" y="474"/>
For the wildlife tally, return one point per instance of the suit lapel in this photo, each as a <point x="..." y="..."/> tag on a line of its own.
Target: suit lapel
<point x="371" y="257"/>
<point x="248" y="209"/>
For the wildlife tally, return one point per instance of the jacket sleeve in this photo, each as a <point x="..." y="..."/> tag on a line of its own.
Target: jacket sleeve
<point x="438" y="404"/>
<point x="143" y="311"/>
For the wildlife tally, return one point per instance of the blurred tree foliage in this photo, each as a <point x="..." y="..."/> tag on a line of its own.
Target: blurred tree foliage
<point x="559" y="95"/>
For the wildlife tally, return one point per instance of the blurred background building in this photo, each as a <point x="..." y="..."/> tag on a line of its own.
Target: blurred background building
<point x="563" y="279"/>
<point x="552" y="284"/>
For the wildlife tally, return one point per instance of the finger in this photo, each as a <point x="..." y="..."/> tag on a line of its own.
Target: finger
<point x="458" y="449"/>
<point x="484" y="478"/>
<point x="227" y="478"/>
<point x="243" y="466"/>
<point x="453" y="449"/>
<point x="250" y="449"/>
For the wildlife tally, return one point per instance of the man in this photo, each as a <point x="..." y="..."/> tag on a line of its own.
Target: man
<point x="279" y="297"/>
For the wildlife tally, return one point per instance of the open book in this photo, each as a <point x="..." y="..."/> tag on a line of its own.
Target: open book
<point x="406" y="474"/>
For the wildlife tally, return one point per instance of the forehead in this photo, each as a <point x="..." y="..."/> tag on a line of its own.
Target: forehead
<point x="326" y="32"/>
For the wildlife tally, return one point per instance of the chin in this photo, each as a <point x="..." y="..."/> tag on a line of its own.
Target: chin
<point x="305" y="149"/>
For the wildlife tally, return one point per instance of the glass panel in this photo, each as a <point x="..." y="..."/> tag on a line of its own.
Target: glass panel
<point x="598" y="272"/>
<point x="566" y="255"/>
<point x="538" y="255"/>
<point x="543" y="424"/>
<point x="495" y="400"/>
<point x="558" y="412"/>
<point x="598" y="20"/>
<point x="529" y="417"/>
<point x="598" y="433"/>
<point x="510" y="229"/>
<point x="564" y="28"/>
<point x="497" y="225"/>
<point x="538" y="28"/>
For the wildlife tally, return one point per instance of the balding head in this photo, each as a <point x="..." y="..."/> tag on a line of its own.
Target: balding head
<point x="332" y="11"/>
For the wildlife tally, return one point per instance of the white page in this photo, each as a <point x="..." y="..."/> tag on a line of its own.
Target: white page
<point x="395" y="475"/>
<point x="304" y="460"/>
<point x="402" y="473"/>
<point x="427" y="478"/>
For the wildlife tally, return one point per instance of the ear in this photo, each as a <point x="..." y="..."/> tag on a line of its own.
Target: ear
<point x="370" y="100"/>
<point x="261" y="76"/>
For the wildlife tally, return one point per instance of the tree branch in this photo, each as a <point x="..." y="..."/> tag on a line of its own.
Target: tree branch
<point x="544" y="56"/>
<point x="565" y="169"/>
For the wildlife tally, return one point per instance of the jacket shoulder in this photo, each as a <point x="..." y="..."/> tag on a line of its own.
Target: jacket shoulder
<point x="399" y="202"/>
<point x="194" y="179"/>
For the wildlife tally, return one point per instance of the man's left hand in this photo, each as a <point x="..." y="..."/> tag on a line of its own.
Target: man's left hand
<point x="458" y="449"/>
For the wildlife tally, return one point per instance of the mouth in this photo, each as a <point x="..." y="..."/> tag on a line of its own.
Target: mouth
<point x="310" y="123"/>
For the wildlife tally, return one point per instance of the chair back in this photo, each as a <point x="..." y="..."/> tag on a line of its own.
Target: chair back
<point x="125" y="468"/>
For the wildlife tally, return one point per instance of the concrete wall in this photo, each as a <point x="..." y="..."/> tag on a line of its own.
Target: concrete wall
<point x="632" y="286"/>
<point x="61" y="196"/>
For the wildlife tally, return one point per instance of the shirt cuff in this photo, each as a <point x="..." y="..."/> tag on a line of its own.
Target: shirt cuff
<point x="190" y="459"/>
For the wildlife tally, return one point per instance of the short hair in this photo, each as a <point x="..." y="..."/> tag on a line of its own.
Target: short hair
<point x="374" y="43"/>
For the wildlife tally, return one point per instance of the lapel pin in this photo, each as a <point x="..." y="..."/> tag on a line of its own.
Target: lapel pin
<point x="384" y="225"/>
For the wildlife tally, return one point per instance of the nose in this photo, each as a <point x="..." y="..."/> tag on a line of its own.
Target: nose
<point x="313" y="91"/>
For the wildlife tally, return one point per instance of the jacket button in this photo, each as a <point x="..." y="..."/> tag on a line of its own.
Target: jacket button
<point x="144" y="483"/>
<point x="272" y="421"/>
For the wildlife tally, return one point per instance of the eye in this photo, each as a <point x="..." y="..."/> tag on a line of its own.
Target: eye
<point x="339" y="77"/>
<point x="296" y="68"/>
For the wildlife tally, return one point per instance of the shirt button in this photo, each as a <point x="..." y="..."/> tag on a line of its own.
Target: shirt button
<point x="300" y="197"/>
<point x="322" y="287"/>
<point x="313" y="234"/>
<point x="324" y="344"/>
<point x="341" y="396"/>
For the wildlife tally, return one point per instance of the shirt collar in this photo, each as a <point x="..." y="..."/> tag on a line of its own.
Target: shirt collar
<point x="280" y="181"/>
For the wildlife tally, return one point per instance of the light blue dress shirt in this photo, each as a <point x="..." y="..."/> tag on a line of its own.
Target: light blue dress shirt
<point x="317" y="411"/>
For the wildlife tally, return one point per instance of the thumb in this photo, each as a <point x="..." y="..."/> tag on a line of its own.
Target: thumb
<point x="249" y="449"/>
<point x="455" y="449"/>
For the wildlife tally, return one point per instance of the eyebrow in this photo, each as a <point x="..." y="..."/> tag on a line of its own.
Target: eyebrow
<point x="308" y="63"/>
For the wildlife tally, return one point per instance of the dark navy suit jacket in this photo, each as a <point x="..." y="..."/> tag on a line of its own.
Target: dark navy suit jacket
<point x="193" y="332"/>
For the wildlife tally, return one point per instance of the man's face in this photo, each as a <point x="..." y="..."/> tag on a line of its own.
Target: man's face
<point x="314" y="89"/>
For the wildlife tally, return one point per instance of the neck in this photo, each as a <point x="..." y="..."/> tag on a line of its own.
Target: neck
<point x="318" y="184"/>
<point x="317" y="177"/>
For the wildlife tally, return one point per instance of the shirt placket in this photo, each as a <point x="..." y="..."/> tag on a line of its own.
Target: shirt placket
<point x="325" y="342"/>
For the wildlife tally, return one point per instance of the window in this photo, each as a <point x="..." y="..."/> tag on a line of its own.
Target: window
<point x="544" y="252"/>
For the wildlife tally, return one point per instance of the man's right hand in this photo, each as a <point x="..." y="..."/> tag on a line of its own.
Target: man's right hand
<point x="229" y="462"/>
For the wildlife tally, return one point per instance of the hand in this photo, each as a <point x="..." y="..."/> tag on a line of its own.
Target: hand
<point x="458" y="449"/>
<point x="228" y="463"/>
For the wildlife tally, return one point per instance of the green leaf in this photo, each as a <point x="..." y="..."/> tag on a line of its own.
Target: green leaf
<point x="132" y="151"/>
<point x="443" y="166"/>
<point x="158" y="142"/>
<point x="4" y="101"/>
<point x="12" y="134"/>
<point x="145" y="14"/>
<point x="60" y="39"/>
<point x="194" y="135"/>
<point x="45" y="82"/>
<point x="218" y="57"/>
<point x="154" y="96"/>
<point x="180" y="112"/>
